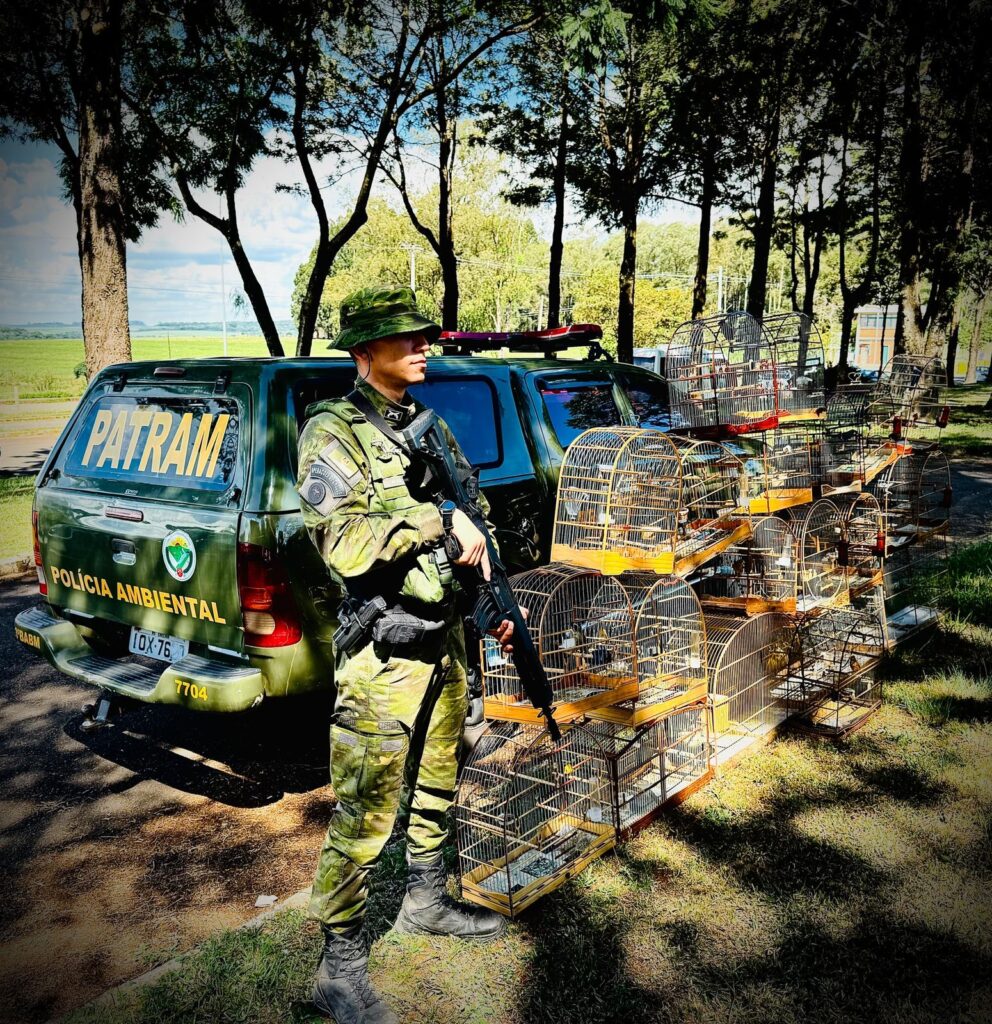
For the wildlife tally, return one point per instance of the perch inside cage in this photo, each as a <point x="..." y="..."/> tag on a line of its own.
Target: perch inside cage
<point x="652" y="765"/>
<point x="721" y="375"/>
<point x="670" y="640"/>
<point x="822" y="580"/>
<point x="748" y="658"/>
<point x="863" y="545"/>
<point x="799" y="364"/>
<point x="583" y="628"/>
<point x="757" y="574"/>
<point x="914" y="495"/>
<point x="530" y="813"/>
<point x="618" y="501"/>
<point x="780" y="468"/>
<point x="908" y="395"/>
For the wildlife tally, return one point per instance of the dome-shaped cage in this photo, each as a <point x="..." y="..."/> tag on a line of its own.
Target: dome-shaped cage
<point x="671" y="649"/>
<point x="822" y="580"/>
<point x="654" y="764"/>
<point x="721" y="375"/>
<point x="855" y="449"/>
<point x="863" y="544"/>
<point x="754" y="575"/>
<point x="910" y="576"/>
<point x="582" y="624"/>
<point x="915" y="496"/>
<point x="632" y="498"/>
<point x="909" y="396"/>
<point x="748" y="659"/>
<point x="781" y="467"/>
<point x="530" y="813"/>
<point x="797" y="349"/>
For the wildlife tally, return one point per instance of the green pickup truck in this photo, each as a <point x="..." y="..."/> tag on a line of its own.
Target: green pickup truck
<point x="172" y="560"/>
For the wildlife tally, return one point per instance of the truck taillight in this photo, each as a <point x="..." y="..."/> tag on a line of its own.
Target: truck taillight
<point x="39" y="568"/>
<point x="267" y="607"/>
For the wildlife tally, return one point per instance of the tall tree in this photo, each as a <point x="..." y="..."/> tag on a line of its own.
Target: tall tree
<point x="63" y="64"/>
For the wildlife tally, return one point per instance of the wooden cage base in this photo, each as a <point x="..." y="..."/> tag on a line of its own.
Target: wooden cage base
<point x="777" y="500"/>
<point x="613" y="563"/>
<point x="644" y="710"/>
<point x="747" y="605"/>
<point x="503" y="707"/>
<point x="734" y="531"/>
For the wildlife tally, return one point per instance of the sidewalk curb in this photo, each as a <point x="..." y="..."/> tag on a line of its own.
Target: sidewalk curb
<point x="16" y="566"/>
<point x="297" y="901"/>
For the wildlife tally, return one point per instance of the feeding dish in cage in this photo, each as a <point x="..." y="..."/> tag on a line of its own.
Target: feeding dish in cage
<point x="670" y="641"/>
<point x="530" y="813"/>
<point x="653" y="765"/>
<point x="822" y="580"/>
<point x="748" y="658"/>
<point x="780" y="469"/>
<point x="582" y="624"/>
<point x="797" y="349"/>
<point x="721" y="375"/>
<point x="757" y="574"/>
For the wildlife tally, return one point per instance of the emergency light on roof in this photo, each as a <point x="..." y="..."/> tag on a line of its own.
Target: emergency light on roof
<point x="553" y="339"/>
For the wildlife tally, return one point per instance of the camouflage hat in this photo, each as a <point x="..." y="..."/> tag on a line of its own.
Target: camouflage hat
<point x="380" y="312"/>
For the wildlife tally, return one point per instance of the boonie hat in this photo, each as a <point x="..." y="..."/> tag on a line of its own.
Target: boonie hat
<point x="380" y="312"/>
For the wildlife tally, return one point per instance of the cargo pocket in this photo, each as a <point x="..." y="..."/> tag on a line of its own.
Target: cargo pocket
<point x="349" y="755"/>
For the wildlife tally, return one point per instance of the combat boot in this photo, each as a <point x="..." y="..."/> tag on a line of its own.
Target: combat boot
<point x="427" y="909"/>
<point x="342" y="989"/>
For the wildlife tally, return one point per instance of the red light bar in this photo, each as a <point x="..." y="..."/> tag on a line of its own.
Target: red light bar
<point x="554" y="338"/>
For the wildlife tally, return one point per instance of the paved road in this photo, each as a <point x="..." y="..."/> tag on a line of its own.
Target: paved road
<point x="25" y="455"/>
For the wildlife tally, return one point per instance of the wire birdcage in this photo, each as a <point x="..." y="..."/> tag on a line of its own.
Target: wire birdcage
<point x="748" y="659"/>
<point x="671" y="650"/>
<point x="632" y="498"/>
<point x="712" y="479"/>
<point x="721" y="375"/>
<point x="863" y="544"/>
<point x="908" y="395"/>
<point x="582" y="624"/>
<point x="618" y="501"/>
<point x="907" y="576"/>
<point x="854" y="451"/>
<point x="797" y="349"/>
<point x="530" y="813"/>
<point x="822" y="580"/>
<point x="754" y="575"/>
<point x="652" y="765"/>
<point x="780" y="467"/>
<point x="846" y="710"/>
<point x="914" y="495"/>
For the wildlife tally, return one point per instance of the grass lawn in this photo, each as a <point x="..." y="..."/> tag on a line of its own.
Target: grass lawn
<point x="16" y="493"/>
<point x="968" y="434"/>
<point x="813" y="882"/>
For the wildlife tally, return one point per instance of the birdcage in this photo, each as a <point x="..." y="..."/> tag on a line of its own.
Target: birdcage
<point x="530" y="813"/>
<point x="748" y="658"/>
<point x="780" y="468"/>
<point x="854" y="450"/>
<point x="863" y="541"/>
<point x="653" y="765"/>
<point x="846" y="710"/>
<point x="671" y="650"/>
<point x="712" y="478"/>
<point x="721" y="375"/>
<point x="632" y="498"/>
<point x="754" y="575"/>
<point x="829" y="651"/>
<point x="618" y="501"/>
<point x="908" y="577"/>
<point x="908" y="396"/>
<point x="914" y="495"/>
<point x="822" y="579"/>
<point x="582" y="624"/>
<point x="797" y="349"/>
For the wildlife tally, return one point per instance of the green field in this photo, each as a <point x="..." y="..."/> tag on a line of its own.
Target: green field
<point x="968" y="434"/>
<point x="16" y="494"/>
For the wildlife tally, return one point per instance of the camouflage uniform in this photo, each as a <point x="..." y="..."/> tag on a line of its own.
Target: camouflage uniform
<point x="379" y="538"/>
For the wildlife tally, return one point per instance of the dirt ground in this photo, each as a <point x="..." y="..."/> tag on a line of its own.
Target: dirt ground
<point x="125" y="847"/>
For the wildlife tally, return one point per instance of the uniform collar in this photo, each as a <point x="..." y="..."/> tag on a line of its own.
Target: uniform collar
<point x="396" y="414"/>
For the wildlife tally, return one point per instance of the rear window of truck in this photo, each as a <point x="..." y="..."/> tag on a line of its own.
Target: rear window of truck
<point x="154" y="442"/>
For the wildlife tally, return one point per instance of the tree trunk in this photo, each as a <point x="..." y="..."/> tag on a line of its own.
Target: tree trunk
<point x="558" y="227"/>
<point x="764" y="224"/>
<point x="703" y="248"/>
<point x="848" y="306"/>
<point x="978" y="325"/>
<point x="953" y="332"/>
<point x="101" y="237"/>
<point x="628" y="270"/>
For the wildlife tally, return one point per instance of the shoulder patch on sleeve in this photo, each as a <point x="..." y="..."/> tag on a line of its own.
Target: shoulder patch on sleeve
<point x="324" y="488"/>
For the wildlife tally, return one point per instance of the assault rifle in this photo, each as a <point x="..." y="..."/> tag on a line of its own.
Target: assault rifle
<point x="494" y="599"/>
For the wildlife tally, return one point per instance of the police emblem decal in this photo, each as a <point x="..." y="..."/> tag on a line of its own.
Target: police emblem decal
<point x="179" y="555"/>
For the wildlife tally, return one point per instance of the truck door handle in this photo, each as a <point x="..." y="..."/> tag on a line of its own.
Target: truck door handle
<point x="124" y="551"/>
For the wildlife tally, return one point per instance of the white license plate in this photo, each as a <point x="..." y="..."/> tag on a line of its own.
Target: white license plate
<point x="155" y="645"/>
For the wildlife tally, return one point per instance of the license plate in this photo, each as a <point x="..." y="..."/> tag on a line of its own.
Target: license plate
<point x="155" y="645"/>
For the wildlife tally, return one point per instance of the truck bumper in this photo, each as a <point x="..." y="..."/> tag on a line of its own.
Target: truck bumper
<point x="195" y="682"/>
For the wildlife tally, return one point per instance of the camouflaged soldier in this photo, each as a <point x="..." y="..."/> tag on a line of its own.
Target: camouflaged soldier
<point x="401" y="682"/>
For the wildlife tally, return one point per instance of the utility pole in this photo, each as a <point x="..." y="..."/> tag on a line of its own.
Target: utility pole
<point x="540" y="310"/>
<point x="719" y="289"/>
<point x="412" y="250"/>
<point x="223" y="292"/>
